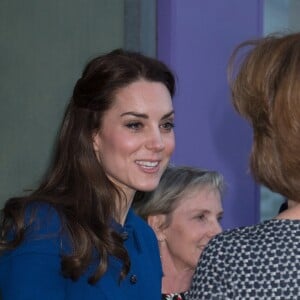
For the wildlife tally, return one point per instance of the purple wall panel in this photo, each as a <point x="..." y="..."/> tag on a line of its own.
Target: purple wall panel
<point x="195" y="38"/>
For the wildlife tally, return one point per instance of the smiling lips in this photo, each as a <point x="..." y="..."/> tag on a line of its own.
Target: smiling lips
<point x="148" y="165"/>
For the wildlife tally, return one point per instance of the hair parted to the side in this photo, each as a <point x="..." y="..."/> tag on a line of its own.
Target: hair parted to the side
<point x="76" y="184"/>
<point x="175" y="183"/>
<point x="265" y="87"/>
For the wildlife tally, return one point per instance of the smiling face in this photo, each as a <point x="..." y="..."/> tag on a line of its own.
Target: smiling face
<point x="136" y="138"/>
<point x="193" y="223"/>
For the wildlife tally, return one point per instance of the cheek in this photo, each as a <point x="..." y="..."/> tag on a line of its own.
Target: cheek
<point x="198" y="233"/>
<point x="180" y="232"/>
<point x="118" y="143"/>
<point x="170" y="144"/>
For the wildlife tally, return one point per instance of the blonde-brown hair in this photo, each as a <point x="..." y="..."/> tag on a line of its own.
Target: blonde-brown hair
<point x="265" y="88"/>
<point x="175" y="183"/>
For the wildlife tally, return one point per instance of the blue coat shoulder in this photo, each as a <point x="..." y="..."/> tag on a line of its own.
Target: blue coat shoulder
<point x="33" y="270"/>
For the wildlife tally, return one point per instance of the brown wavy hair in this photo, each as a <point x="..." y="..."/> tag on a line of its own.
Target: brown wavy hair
<point x="76" y="184"/>
<point x="265" y="88"/>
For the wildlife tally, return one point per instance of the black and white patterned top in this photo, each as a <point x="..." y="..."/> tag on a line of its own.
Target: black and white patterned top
<point x="255" y="262"/>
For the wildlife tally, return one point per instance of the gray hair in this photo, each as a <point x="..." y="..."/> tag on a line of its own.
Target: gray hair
<point x="175" y="182"/>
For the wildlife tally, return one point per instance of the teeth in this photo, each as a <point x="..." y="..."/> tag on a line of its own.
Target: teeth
<point x="149" y="164"/>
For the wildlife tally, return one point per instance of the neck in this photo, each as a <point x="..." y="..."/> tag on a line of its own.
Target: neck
<point x="293" y="211"/>
<point x="176" y="283"/>
<point x="176" y="278"/>
<point x="123" y="207"/>
<point x="123" y="200"/>
<point x="124" y="212"/>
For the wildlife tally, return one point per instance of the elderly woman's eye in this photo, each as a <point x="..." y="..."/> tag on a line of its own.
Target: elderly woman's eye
<point x="201" y="217"/>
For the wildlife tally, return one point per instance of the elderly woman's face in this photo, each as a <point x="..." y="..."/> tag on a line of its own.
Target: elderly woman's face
<point x="136" y="139"/>
<point x="193" y="223"/>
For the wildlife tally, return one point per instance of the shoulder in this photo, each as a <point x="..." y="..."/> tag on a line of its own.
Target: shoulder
<point x="41" y="218"/>
<point x="245" y="255"/>
<point x="36" y="259"/>
<point x="258" y="234"/>
<point x="250" y="242"/>
<point x="139" y="224"/>
<point x="133" y="218"/>
<point x="43" y="231"/>
<point x="144" y="235"/>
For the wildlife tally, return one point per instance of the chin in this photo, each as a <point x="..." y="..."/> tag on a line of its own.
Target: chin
<point x="148" y="187"/>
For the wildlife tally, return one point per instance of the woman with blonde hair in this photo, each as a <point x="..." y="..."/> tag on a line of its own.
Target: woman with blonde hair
<point x="262" y="261"/>
<point x="184" y="211"/>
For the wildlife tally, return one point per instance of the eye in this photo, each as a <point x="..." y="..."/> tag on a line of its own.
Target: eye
<point x="168" y="126"/>
<point x="201" y="217"/>
<point x="134" y="125"/>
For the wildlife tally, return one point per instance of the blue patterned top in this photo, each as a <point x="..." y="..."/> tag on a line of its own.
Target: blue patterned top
<point x="255" y="262"/>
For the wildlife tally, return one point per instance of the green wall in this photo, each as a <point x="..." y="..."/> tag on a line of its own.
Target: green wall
<point x="44" y="47"/>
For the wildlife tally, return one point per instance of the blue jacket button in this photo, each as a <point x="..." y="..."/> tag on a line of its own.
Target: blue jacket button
<point x="133" y="279"/>
<point x="124" y="235"/>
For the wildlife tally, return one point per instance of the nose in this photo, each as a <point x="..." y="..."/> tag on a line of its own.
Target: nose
<point x="155" y="140"/>
<point x="215" y="229"/>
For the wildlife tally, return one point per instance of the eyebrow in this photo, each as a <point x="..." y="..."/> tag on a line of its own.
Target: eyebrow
<point x="145" y="116"/>
<point x="207" y="211"/>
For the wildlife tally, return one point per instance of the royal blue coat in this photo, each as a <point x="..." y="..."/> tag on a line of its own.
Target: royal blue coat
<point x="32" y="271"/>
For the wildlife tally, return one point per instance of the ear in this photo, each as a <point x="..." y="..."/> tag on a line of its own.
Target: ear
<point x="96" y="141"/>
<point x="156" y="222"/>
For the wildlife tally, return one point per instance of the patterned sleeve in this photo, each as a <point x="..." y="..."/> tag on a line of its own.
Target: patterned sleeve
<point x="210" y="278"/>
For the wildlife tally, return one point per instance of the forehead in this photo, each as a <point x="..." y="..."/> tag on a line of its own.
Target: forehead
<point x="202" y="196"/>
<point x="143" y="95"/>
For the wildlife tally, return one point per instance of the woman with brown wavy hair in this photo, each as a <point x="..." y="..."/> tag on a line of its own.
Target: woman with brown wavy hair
<point x="75" y="236"/>
<point x="263" y="261"/>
